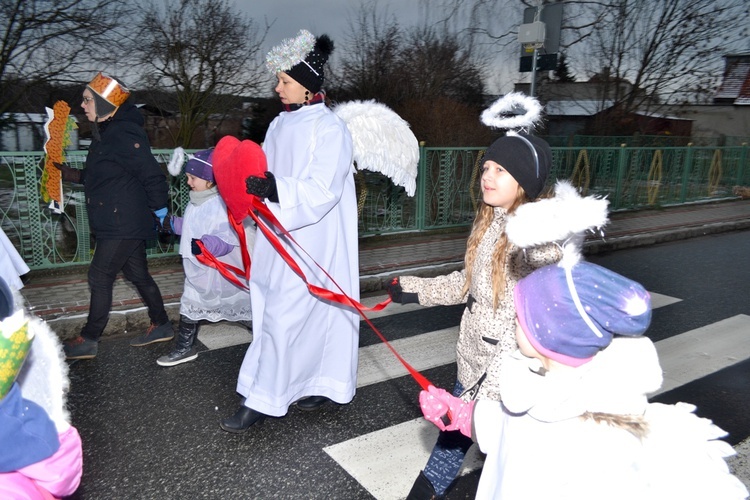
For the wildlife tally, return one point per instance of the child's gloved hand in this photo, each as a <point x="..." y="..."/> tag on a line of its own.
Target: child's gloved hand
<point x="213" y="244"/>
<point x="175" y="223"/>
<point x="447" y="412"/>
<point x="398" y="295"/>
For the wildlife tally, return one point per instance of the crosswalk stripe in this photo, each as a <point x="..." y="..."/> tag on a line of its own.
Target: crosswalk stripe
<point x="409" y="444"/>
<point x="425" y="351"/>
<point x="406" y="447"/>
<point x="223" y="334"/>
<point x="700" y="352"/>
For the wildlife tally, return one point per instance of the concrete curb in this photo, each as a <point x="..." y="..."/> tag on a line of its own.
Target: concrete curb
<point x="132" y="317"/>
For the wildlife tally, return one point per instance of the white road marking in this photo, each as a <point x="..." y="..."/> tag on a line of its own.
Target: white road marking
<point x="223" y="334"/>
<point x="429" y="350"/>
<point x="384" y="461"/>
<point x="658" y="300"/>
<point x="685" y="357"/>
<point x="700" y="352"/>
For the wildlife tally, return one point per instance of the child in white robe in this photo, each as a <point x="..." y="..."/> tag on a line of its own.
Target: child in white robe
<point x="207" y="294"/>
<point x="575" y="422"/>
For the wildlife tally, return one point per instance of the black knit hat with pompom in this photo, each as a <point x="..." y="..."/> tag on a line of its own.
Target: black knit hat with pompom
<point x="309" y="71"/>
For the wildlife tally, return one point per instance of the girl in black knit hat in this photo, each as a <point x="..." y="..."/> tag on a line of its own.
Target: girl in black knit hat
<point x="514" y="172"/>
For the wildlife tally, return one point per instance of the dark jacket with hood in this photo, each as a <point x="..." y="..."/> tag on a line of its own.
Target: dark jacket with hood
<point x="123" y="182"/>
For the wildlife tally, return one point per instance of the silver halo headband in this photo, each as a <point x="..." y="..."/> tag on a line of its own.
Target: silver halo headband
<point x="531" y="147"/>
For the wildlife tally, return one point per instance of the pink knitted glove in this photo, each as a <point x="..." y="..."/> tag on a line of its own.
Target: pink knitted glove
<point x="447" y="412"/>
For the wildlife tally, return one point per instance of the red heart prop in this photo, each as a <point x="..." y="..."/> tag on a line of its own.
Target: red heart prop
<point x="233" y="162"/>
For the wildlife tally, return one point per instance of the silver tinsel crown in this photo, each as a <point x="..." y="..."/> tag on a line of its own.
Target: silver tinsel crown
<point x="290" y="52"/>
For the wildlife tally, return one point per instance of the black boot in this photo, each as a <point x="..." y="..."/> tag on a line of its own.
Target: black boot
<point x="183" y="350"/>
<point x="311" y="403"/>
<point x="242" y="420"/>
<point x="422" y="489"/>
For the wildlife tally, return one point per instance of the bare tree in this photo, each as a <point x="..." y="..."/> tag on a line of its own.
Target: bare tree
<point x="45" y="43"/>
<point x="422" y="72"/>
<point x="667" y="48"/>
<point x="367" y="69"/>
<point x="648" y="54"/>
<point x="203" y="51"/>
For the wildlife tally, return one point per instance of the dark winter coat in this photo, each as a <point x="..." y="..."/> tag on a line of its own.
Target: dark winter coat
<point x="123" y="182"/>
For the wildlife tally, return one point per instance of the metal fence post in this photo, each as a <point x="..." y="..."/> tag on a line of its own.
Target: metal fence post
<point x="421" y="187"/>
<point x="687" y="167"/>
<point x="29" y="202"/>
<point x="741" y="168"/>
<point x="621" y="167"/>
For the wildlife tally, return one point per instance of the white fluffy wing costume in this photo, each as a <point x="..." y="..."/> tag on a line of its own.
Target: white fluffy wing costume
<point x="43" y="378"/>
<point x="382" y="140"/>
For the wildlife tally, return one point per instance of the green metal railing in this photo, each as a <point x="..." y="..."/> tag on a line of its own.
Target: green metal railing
<point x="447" y="192"/>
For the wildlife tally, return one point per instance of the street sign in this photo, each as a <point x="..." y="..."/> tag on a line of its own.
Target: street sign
<point x="551" y="16"/>
<point x="544" y="62"/>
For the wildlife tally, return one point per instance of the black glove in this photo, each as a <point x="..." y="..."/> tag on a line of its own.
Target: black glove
<point x="263" y="187"/>
<point x="163" y="226"/>
<point x="398" y="295"/>
<point x="69" y="174"/>
<point x="194" y="247"/>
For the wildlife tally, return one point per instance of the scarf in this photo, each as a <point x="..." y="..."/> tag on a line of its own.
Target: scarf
<point x="200" y="197"/>
<point x="318" y="98"/>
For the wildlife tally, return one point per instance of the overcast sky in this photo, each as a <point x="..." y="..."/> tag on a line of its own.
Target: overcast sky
<point x="318" y="17"/>
<point x="333" y="17"/>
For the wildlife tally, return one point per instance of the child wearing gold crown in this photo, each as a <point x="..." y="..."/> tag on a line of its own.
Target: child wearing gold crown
<point x="41" y="453"/>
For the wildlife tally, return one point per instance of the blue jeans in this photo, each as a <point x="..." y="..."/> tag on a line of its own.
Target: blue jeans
<point x="111" y="257"/>
<point x="447" y="455"/>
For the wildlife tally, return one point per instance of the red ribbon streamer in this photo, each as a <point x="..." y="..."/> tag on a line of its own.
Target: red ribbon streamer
<point x="231" y="272"/>
<point x="227" y="270"/>
<point x="339" y="298"/>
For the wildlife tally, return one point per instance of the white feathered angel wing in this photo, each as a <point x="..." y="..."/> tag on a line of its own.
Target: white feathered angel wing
<point x="383" y="141"/>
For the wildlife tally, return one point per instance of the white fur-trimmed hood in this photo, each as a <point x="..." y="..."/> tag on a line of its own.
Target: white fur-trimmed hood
<point x="563" y="219"/>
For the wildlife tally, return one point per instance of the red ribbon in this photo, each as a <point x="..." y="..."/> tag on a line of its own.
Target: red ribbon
<point x="231" y="272"/>
<point x="339" y="298"/>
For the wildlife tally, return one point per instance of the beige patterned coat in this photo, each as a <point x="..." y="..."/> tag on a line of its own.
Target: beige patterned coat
<point x="475" y="355"/>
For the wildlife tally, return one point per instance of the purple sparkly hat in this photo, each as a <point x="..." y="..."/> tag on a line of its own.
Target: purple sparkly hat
<point x="199" y="165"/>
<point x="570" y="314"/>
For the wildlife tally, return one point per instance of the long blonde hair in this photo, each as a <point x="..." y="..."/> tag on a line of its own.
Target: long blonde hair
<point x="485" y="216"/>
<point x="634" y="424"/>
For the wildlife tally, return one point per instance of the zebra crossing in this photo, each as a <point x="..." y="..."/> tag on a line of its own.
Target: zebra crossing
<point x="685" y="358"/>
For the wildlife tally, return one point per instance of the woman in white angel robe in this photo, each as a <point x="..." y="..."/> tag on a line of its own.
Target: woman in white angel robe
<point x="303" y="345"/>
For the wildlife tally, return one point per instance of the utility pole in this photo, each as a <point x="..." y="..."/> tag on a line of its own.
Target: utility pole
<point x="532" y="35"/>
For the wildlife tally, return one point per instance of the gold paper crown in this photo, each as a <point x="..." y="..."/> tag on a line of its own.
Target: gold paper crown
<point x="110" y="89"/>
<point x="15" y="342"/>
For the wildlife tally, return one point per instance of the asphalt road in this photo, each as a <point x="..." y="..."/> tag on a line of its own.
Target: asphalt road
<point x="152" y="432"/>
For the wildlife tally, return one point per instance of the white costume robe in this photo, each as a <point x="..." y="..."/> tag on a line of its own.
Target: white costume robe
<point x="302" y="345"/>
<point x="538" y="448"/>
<point x="12" y="265"/>
<point x="207" y="294"/>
